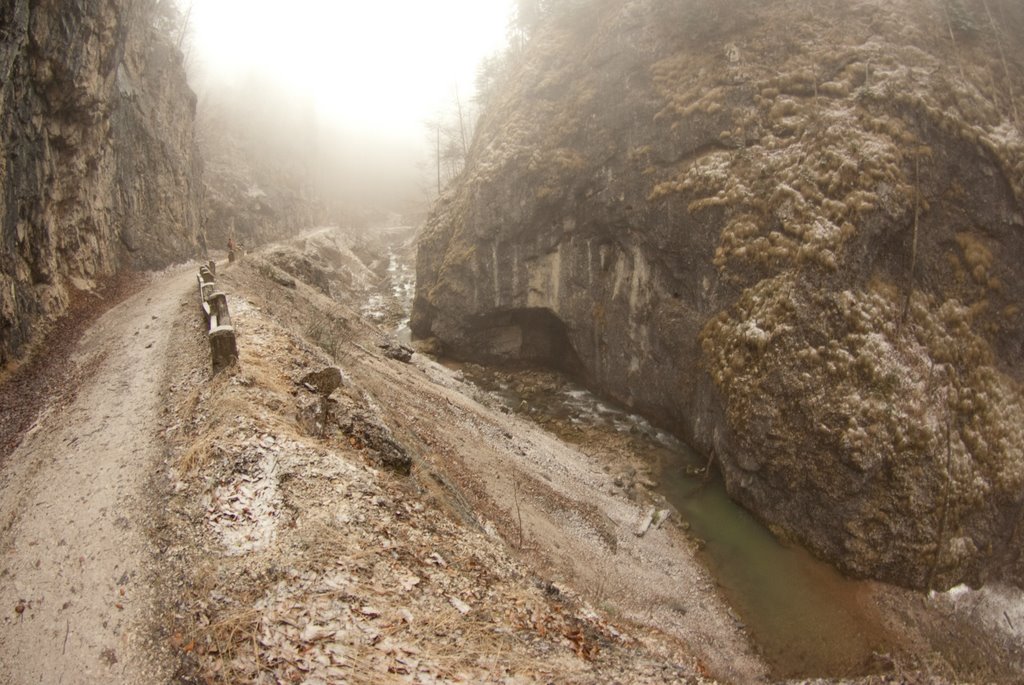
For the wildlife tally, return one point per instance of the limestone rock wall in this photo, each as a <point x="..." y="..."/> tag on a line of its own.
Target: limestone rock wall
<point x="254" y="208"/>
<point x="98" y="168"/>
<point x="794" y="236"/>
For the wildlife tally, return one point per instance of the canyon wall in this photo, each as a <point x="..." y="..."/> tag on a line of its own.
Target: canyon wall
<point x="257" y="171"/>
<point x="98" y="167"/>
<point x="791" y="231"/>
<point x="254" y="208"/>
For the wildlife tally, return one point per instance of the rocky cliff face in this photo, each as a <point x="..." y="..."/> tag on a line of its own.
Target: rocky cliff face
<point x="256" y="177"/>
<point x="794" y="232"/>
<point x="252" y="207"/>
<point x="98" y="169"/>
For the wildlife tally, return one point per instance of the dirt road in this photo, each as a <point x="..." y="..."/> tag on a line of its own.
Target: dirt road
<point x="74" y="502"/>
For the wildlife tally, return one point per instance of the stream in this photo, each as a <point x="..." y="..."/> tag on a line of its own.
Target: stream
<point x="805" y="618"/>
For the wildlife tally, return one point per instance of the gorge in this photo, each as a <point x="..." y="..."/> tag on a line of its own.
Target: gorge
<point x="792" y="236"/>
<point x="703" y="364"/>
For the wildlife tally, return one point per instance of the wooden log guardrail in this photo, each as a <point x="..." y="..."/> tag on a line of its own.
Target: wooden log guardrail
<point x="220" y="332"/>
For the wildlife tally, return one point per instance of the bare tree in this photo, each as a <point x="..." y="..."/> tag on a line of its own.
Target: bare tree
<point x="462" y="122"/>
<point x="184" y="26"/>
<point x="1002" y="57"/>
<point x="450" y="135"/>
<point x="437" y="129"/>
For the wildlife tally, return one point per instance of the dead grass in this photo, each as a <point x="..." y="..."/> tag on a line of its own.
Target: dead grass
<point x="197" y="456"/>
<point x="349" y="538"/>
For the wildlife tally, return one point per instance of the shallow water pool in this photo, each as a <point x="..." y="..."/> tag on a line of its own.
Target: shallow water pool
<point x="806" y="619"/>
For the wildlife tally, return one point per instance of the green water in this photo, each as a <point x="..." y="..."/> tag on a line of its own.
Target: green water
<point x="804" y="617"/>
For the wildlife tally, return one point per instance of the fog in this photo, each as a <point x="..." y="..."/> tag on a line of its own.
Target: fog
<point x="378" y="67"/>
<point x="334" y="98"/>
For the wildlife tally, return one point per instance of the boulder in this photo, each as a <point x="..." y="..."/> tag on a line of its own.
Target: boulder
<point x="323" y="382"/>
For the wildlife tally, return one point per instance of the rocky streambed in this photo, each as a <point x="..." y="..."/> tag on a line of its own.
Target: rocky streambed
<point x="805" y="618"/>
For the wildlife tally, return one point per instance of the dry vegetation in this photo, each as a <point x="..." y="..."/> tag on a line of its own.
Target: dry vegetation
<point x="303" y="559"/>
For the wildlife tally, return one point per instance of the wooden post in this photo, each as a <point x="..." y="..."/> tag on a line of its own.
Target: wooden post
<point x="220" y="332"/>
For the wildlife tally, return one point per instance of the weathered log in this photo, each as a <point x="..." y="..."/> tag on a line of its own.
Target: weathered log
<point x="218" y="305"/>
<point x="214" y="304"/>
<point x="205" y="290"/>
<point x="223" y="348"/>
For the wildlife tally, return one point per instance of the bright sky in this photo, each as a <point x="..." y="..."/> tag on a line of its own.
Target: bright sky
<point x="380" y="66"/>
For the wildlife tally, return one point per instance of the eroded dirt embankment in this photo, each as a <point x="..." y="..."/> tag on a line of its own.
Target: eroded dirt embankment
<point x="302" y="556"/>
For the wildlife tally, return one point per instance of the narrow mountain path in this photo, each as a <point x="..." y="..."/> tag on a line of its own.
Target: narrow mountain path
<point x="74" y="499"/>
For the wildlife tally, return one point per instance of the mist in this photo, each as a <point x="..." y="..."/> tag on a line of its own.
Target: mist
<point x="344" y="90"/>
